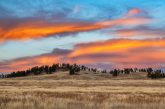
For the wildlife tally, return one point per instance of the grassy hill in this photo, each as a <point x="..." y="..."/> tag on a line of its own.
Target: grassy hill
<point x="84" y="75"/>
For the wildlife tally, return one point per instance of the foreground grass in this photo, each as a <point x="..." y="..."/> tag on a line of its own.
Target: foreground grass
<point x="47" y="92"/>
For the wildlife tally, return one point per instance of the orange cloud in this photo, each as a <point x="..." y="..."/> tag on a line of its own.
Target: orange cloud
<point x="155" y="33"/>
<point x="39" y="29"/>
<point x="134" y="11"/>
<point x="115" y="45"/>
<point x="24" y="63"/>
<point x="20" y="64"/>
<point x="120" y="53"/>
<point x="124" y="22"/>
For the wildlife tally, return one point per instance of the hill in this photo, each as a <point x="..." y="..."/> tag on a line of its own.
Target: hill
<point x="93" y="73"/>
<point x="84" y="75"/>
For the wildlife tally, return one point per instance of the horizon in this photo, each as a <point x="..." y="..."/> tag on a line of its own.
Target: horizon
<point x="98" y="33"/>
<point x="91" y="67"/>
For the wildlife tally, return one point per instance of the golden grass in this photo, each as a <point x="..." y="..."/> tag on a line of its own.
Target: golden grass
<point x="84" y="91"/>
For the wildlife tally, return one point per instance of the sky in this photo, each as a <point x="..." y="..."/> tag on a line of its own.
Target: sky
<point x="105" y="34"/>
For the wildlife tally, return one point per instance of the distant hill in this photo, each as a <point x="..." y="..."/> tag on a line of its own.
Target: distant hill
<point x="83" y="75"/>
<point x="74" y="71"/>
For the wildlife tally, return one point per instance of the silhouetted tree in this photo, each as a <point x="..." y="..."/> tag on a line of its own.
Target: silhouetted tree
<point x="115" y="72"/>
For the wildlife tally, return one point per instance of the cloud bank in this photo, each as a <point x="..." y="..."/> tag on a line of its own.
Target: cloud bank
<point x="36" y="29"/>
<point x="119" y="53"/>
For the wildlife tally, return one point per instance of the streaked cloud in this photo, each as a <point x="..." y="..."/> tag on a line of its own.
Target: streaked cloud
<point x="36" y="29"/>
<point x="143" y="32"/>
<point x="134" y="11"/>
<point x="57" y="55"/>
<point x="119" y="53"/>
<point x="115" y="45"/>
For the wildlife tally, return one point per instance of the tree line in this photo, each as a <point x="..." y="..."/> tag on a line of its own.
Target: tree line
<point x="37" y="70"/>
<point x="74" y="68"/>
<point x="151" y="73"/>
<point x="154" y="74"/>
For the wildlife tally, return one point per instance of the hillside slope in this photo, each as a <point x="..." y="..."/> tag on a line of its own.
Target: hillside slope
<point x="83" y="75"/>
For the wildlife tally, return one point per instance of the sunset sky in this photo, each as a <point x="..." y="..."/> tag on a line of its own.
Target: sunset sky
<point x="98" y="33"/>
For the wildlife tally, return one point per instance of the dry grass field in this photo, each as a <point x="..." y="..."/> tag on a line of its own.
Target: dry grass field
<point x="86" y="90"/>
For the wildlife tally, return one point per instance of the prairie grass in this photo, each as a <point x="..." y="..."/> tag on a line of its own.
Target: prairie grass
<point x="47" y="92"/>
<point x="42" y="100"/>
